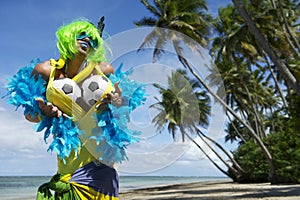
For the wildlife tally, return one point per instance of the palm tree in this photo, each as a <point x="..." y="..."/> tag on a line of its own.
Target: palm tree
<point x="184" y="15"/>
<point x="241" y="41"/>
<point x="185" y="107"/>
<point x="164" y="12"/>
<point x="236" y="132"/>
<point x="187" y="17"/>
<point x="236" y="39"/>
<point x="263" y="43"/>
<point x="286" y="26"/>
<point x="247" y="90"/>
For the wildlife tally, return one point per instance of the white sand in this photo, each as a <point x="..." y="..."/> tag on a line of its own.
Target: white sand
<point x="216" y="190"/>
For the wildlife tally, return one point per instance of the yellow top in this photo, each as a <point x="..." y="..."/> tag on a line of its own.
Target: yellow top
<point x="84" y="120"/>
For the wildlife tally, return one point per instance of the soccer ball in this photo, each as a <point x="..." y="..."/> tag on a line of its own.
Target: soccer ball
<point x="69" y="87"/>
<point x="93" y="89"/>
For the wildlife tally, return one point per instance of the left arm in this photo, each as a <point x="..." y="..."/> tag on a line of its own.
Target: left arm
<point x="114" y="98"/>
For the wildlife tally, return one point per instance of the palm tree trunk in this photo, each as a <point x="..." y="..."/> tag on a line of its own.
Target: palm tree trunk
<point x="289" y="31"/>
<point x="288" y="76"/>
<point x="257" y="119"/>
<point x="236" y="130"/>
<point x="201" y="134"/>
<point x="286" y="30"/>
<point x="204" y="152"/>
<point x="223" y="103"/>
<point x="277" y="85"/>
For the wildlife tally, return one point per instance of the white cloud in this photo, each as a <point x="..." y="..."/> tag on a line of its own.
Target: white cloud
<point x="2" y="109"/>
<point x="22" y="150"/>
<point x="192" y="162"/>
<point x="20" y="145"/>
<point x="16" y="132"/>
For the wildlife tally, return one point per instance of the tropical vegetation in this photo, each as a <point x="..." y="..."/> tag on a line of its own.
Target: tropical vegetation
<point x="255" y="47"/>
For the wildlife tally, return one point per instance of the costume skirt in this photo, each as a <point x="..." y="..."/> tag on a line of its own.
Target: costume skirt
<point x="92" y="181"/>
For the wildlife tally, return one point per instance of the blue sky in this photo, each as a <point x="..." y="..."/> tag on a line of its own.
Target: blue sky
<point x="27" y="32"/>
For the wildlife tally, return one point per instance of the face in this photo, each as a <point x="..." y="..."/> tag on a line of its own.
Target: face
<point x="85" y="43"/>
<point x="83" y="46"/>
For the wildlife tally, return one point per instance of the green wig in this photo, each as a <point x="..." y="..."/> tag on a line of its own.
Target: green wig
<point x="67" y="40"/>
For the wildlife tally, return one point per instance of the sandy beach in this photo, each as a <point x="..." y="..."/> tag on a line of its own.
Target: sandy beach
<point x="215" y="191"/>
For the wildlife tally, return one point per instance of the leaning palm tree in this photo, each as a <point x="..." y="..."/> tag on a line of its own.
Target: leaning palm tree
<point x="186" y="16"/>
<point x="183" y="108"/>
<point x="183" y="105"/>
<point x="183" y="16"/>
<point x="236" y="45"/>
<point x="290" y="78"/>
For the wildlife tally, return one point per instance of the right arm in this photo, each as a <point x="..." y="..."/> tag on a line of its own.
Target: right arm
<point x="48" y="109"/>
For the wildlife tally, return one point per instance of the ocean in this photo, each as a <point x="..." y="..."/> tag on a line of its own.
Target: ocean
<point x="25" y="187"/>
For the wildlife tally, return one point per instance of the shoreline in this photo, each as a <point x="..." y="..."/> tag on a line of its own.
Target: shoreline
<point x="214" y="190"/>
<point x="211" y="190"/>
<point x="162" y="181"/>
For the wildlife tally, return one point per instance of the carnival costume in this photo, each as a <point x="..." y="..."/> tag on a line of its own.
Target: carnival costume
<point x="88" y="142"/>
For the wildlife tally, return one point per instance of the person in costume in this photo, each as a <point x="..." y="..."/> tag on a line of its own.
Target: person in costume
<point x="79" y="101"/>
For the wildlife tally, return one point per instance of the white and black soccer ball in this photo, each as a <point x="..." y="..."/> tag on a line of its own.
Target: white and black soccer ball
<point x="93" y="88"/>
<point x="69" y="87"/>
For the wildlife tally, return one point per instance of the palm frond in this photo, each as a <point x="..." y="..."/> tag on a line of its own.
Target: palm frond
<point x="149" y="40"/>
<point x="151" y="8"/>
<point x="158" y="49"/>
<point x="145" y="21"/>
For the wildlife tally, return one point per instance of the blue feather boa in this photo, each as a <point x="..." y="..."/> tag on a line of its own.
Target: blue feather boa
<point x="112" y="132"/>
<point x="113" y="122"/>
<point x="23" y="89"/>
